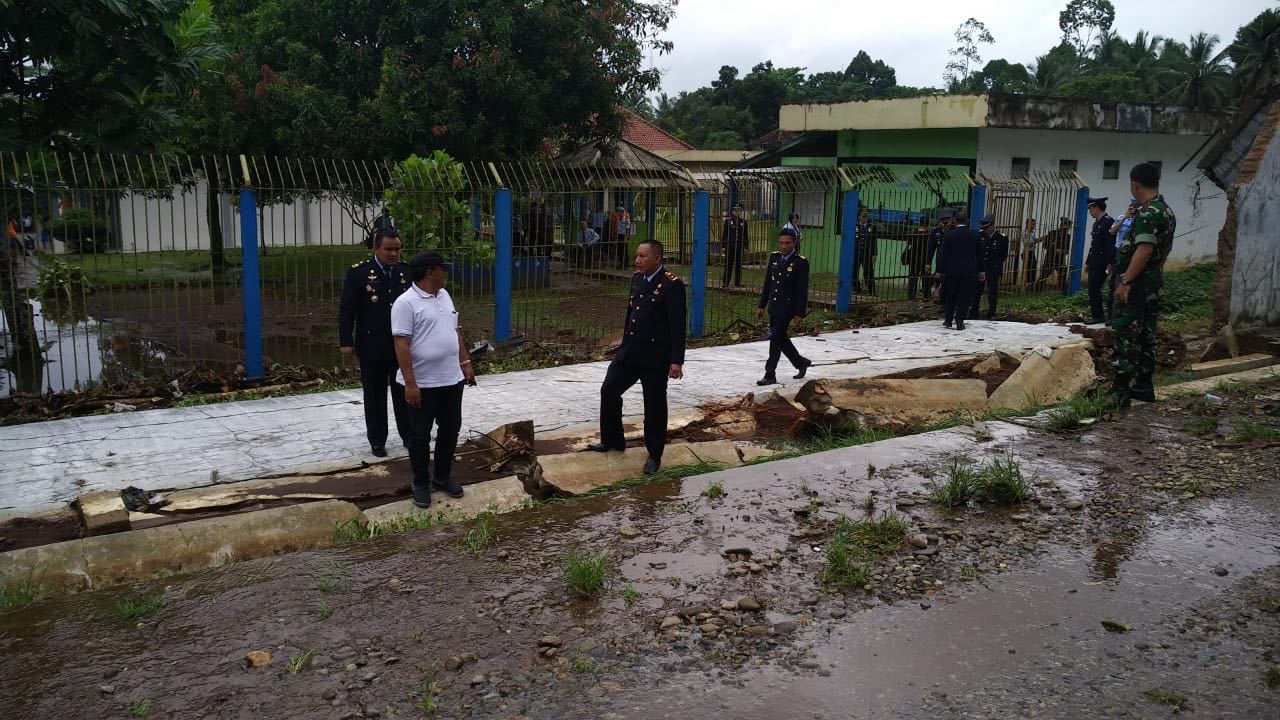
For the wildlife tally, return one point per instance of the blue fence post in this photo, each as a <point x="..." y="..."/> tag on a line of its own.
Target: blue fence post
<point x="502" y="265"/>
<point x="252" y="286"/>
<point x="698" y="281"/>
<point x="977" y="205"/>
<point x="848" y="250"/>
<point x="1078" y="239"/>
<point x="651" y="212"/>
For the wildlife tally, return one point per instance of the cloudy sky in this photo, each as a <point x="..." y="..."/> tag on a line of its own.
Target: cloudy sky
<point x="913" y="36"/>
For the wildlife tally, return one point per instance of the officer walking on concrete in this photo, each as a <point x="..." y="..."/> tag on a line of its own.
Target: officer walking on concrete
<point x="733" y="238"/>
<point x="1140" y="277"/>
<point x="960" y="263"/>
<point x="364" y="329"/>
<point x="1101" y="259"/>
<point x="946" y="222"/>
<point x="785" y="296"/>
<point x="651" y="353"/>
<point x="995" y="250"/>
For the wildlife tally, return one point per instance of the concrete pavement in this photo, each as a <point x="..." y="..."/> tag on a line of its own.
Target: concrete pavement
<point x="45" y="465"/>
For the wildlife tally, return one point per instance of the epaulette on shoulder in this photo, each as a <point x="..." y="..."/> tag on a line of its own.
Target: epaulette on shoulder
<point x="357" y="264"/>
<point x="802" y="257"/>
<point x="672" y="276"/>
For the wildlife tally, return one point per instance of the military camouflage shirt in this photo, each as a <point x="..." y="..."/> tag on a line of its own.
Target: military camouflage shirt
<point x="1154" y="223"/>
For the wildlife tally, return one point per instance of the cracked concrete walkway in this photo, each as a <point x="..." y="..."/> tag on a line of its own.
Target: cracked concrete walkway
<point x="45" y="465"/>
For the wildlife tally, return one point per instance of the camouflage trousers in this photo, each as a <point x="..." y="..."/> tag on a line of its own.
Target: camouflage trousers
<point x="1133" y="335"/>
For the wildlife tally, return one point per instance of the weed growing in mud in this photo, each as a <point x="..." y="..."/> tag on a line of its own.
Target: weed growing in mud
<point x="869" y="505"/>
<point x="1248" y="430"/>
<point x="630" y="595"/>
<point x="960" y="487"/>
<point x="586" y="572"/>
<point x="1203" y="425"/>
<point x="714" y="491"/>
<point x="355" y="529"/>
<point x="322" y="610"/>
<point x="298" y="663"/>
<point x="1166" y="697"/>
<point x="1079" y="408"/>
<point x="139" y="607"/>
<point x="672" y="473"/>
<point x="332" y="579"/>
<point x="871" y="470"/>
<point x="1002" y="481"/>
<point x="832" y="438"/>
<point x="1270" y="605"/>
<point x="1272" y="677"/>
<point x="139" y="708"/>
<point x="583" y="664"/>
<point x="673" y="508"/>
<point x="425" y="696"/>
<point x="21" y="594"/>
<point x="857" y="545"/>
<point x="481" y="535"/>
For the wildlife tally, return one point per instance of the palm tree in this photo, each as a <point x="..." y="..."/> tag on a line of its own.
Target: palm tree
<point x="1106" y="51"/>
<point x="1256" y="52"/>
<point x="1200" y="78"/>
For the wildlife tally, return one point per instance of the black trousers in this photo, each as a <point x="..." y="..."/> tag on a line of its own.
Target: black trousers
<point x="619" y="379"/>
<point x="376" y="376"/>
<point x="733" y="263"/>
<point x="620" y="251"/>
<point x="864" y="264"/>
<point x="914" y="279"/>
<point x="991" y="287"/>
<point x="1097" y="281"/>
<point x="442" y="407"/>
<point x="780" y="344"/>
<point x="957" y="294"/>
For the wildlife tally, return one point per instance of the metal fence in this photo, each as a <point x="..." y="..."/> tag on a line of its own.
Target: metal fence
<point x="118" y="268"/>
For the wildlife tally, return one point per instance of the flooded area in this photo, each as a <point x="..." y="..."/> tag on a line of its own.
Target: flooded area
<point x="716" y="604"/>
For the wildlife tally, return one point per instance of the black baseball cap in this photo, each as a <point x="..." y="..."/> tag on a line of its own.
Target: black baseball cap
<point x="427" y="260"/>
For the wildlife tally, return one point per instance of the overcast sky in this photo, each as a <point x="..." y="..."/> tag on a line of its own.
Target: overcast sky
<point x="912" y="36"/>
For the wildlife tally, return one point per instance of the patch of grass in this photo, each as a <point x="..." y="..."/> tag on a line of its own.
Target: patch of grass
<point x="675" y="581"/>
<point x="673" y="508"/>
<point x="630" y="595"/>
<point x="1003" y="482"/>
<point x="482" y="535"/>
<point x="21" y="594"/>
<point x="1271" y="605"/>
<point x="833" y="438"/>
<point x="1166" y="697"/>
<point x="1272" y="677"/>
<point x="424" y="697"/>
<point x="138" y="607"/>
<point x="1203" y="425"/>
<point x="297" y="663"/>
<point x="857" y="545"/>
<point x="672" y="473"/>
<point x="960" y="487"/>
<point x="355" y="529"/>
<point x="585" y="571"/>
<point x="332" y="579"/>
<point x="1247" y="430"/>
<point x="583" y="664"/>
<point x="1079" y="408"/>
<point x="322" y="610"/>
<point x="714" y="491"/>
<point x="139" y="708"/>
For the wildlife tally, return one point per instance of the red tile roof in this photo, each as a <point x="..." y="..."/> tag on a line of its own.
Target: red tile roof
<point x="645" y="134"/>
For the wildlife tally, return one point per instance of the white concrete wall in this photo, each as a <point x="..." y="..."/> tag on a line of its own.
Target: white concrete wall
<point x="179" y="222"/>
<point x="1255" y="278"/>
<point x="1199" y="205"/>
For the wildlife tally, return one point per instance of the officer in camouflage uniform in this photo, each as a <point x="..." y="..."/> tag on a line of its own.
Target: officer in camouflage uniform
<point x="1140" y="276"/>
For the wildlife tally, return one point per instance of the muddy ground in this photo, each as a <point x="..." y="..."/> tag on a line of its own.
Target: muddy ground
<point x="1164" y="521"/>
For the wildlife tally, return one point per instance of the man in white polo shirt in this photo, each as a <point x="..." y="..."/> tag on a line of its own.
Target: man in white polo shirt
<point x="434" y="365"/>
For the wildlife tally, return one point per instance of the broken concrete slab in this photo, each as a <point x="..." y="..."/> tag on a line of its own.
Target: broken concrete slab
<point x="577" y="473"/>
<point x="503" y="495"/>
<point x="102" y="513"/>
<point x="512" y="442"/>
<point x="1209" y="384"/>
<point x="1202" y="370"/>
<point x="878" y="402"/>
<point x="1041" y="380"/>
<point x="106" y="560"/>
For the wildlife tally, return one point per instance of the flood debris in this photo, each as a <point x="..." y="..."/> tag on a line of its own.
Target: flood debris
<point x="1047" y="377"/>
<point x="890" y="403"/>
<point x="101" y="513"/>
<point x="577" y="473"/>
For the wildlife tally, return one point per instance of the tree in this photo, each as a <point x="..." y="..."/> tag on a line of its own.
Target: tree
<point x="1107" y="87"/>
<point x="1256" y="52"/>
<point x="1199" y="77"/>
<point x="1081" y="20"/>
<point x="870" y="78"/>
<point x="1054" y="69"/>
<point x="105" y="75"/>
<point x="999" y="75"/>
<point x="969" y="36"/>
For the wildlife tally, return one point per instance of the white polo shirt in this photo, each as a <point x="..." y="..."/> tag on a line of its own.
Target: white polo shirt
<point x="431" y="323"/>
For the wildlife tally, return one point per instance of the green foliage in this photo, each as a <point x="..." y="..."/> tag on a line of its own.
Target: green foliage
<point x="960" y="486"/>
<point x="714" y="491"/>
<point x="1107" y="87"/>
<point x="431" y="211"/>
<point x="857" y="545"/>
<point x="999" y="480"/>
<point x="1002" y="481"/>
<point x="482" y="535"/>
<point x="322" y="609"/>
<point x="1272" y="677"/>
<point x="1081" y="20"/>
<point x="60" y="281"/>
<point x="355" y="529"/>
<point x="79" y="228"/>
<point x="1166" y="697"/>
<point x="139" y="708"/>
<point x="1247" y="430"/>
<point x="586" y="571"/>
<point x="630" y="595"/>
<point x="969" y="36"/>
<point x="135" y="608"/>
<point x="21" y="594"/>
<point x="425" y="695"/>
<point x="1256" y="52"/>
<point x="298" y="663"/>
<point x="1081" y="407"/>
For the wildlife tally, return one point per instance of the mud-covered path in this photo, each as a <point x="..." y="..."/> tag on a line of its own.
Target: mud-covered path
<point x="1161" y="521"/>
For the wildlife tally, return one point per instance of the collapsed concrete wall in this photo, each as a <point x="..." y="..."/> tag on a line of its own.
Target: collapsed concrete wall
<point x="1255" y="277"/>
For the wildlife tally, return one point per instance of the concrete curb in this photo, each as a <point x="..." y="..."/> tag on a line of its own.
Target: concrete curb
<point x="105" y="560"/>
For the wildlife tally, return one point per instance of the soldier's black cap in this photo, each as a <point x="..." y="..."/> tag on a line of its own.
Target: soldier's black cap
<point x="1100" y="202"/>
<point x="1064" y="221"/>
<point x="987" y="219"/>
<point x="960" y="218"/>
<point x="788" y="232"/>
<point x="946" y="215"/>
<point x="427" y="260"/>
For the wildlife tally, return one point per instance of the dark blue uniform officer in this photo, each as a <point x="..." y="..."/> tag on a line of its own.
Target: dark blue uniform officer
<point x="960" y="263"/>
<point x="995" y="250"/>
<point x="945" y="223"/>
<point x="364" y="327"/>
<point x="651" y="353"/>
<point x="785" y="295"/>
<point x="1101" y="259"/>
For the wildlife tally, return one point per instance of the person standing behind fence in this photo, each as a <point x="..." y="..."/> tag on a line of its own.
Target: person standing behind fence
<point x="960" y="264"/>
<point x="364" y="329"/>
<point x="434" y="365"/>
<point x="1140" y="271"/>
<point x="652" y="352"/>
<point x="866" y="249"/>
<point x="995" y="250"/>
<point x="1101" y="260"/>
<point x="1055" y="244"/>
<point x="916" y="258"/>
<point x="1027" y="244"/>
<point x="785" y="295"/>
<point x="734" y="237"/>
<point x="793" y="223"/>
<point x="946" y="222"/>
<point x="588" y="239"/>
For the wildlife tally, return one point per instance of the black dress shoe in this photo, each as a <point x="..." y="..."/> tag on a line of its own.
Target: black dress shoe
<point x="651" y="466"/>
<point x="449" y="487"/>
<point x="378" y="451"/>
<point x="946" y="324"/>
<point x="767" y="380"/>
<point x="804" y="368"/>
<point x="600" y="447"/>
<point x="959" y="325"/>
<point x="1145" y="394"/>
<point x="421" y="495"/>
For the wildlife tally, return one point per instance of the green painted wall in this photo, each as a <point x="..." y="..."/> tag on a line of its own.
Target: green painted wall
<point x="940" y="143"/>
<point x="821" y="245"/>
